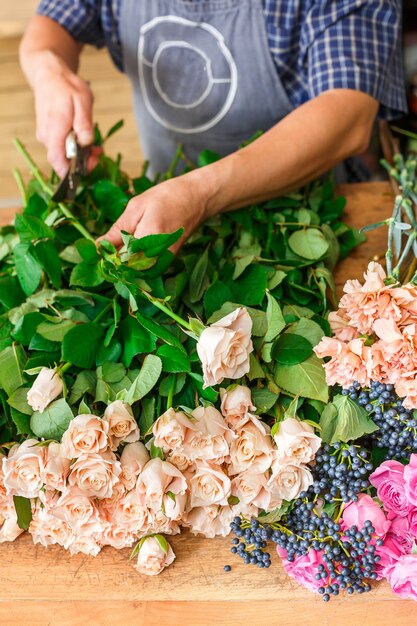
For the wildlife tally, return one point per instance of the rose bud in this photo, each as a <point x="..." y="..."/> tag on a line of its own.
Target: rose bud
<point x="47" y="386"/>
<point x="154" y="555"/>
<point x="122" y="424"/>
<point x="225" y="346"/>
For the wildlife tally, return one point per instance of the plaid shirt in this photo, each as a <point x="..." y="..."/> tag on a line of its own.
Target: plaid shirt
<point x="316" y="45"/>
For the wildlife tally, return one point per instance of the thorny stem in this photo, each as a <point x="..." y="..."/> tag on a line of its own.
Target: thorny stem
<point x="19" y="182"/>
<point x="162" y="307"/>
<point x="47" y="189"/>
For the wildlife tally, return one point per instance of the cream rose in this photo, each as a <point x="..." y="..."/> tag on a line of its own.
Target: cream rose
<point x="122" y="424"/>
<point x="86" y="544"/>
<point x="236" y="405"/>
<point x="76" y="509"/>
<point x="133" y="459"/>
<point x="288" y="481"/>
<point x="9" y="530"/>
<point x="131" y="512"/>
<point x="225" y="346"/>
<point x="171" y="429"/>
<point x="208" y="485"/>
<point x="211" y="437"/>
<point x="56" y="467"/>
<point x="296" y="442"/>
<point x="117" y="537"/>
<point x="252" y="489"/>
<point x="161" y="486"/>
<point x="24" y="469"/>
<point x="154" y="555"/>
<point x="252" y="450"/>
<point x="95" y="474"/>
<point x="47" y="529"/>
<point x="180" y="460"/>
<point x="47" y="386"/>
<point x="85" y="434"/>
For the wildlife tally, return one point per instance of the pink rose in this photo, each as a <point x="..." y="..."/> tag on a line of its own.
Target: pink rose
<point x="210" y="436"/>
<point x="95" y="474"/>
<point x="56" y="467"/>
<point x="357" y="513"/>
<point x="288" y="481"/>
<point x="401" y="532"/>
<point x="161" y="486"/>
<point x="122" y="424"/>
<point x="225" y="346"/>
<point x="389" y="553"/>
<point x="389" y="481"/>
<point x="171" y="429"/>
<point x="85" y="434"/>
<point x="410" y="477"/>
<point x="252" y="449"/>
<point x="133" y="459"/>
<point x="208" y="485"/>
<point x="412" y="518"/>
<point x="47" y="386"/>
<point x="304" y="568"/>
<point x="24" y="469"/>
<point x="296" y="442"/>
<point x="402" y="576"/>
<point x="236" y="405"/>
<point x="154" y="555"/>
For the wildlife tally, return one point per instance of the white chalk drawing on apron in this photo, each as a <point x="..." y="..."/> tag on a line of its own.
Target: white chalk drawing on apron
<point x="215" y="57"/>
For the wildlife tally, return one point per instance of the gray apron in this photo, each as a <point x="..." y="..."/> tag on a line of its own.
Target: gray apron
<point x="202" y="75"/>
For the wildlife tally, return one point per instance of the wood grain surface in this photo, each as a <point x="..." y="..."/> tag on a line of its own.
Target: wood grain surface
<point x="47" y="586"/>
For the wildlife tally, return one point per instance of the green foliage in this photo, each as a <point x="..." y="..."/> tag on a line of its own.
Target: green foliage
<point x="344" y="420"/>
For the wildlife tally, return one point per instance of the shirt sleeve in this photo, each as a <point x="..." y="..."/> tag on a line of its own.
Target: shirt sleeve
<point x="356" y="44"/>
<point x="81" y="18"/>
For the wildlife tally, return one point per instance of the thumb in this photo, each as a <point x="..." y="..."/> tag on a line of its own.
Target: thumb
<point x="127" y="222"/>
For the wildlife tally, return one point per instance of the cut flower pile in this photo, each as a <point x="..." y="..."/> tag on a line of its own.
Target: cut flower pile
<point x="142" y="393"/>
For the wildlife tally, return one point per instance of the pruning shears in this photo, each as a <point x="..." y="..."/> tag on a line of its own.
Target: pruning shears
<point x="77" y="157"/>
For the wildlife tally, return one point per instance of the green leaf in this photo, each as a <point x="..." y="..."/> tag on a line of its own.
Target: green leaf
<point x="250" y="289"/>
<point x="112" y="372"/>
<point x="154" y="245"/>
<point x="256" y="370"/>
<point x="308" y="329"/>
<point x="306" y="379"/>
<point x="156" y="453"/>
<point x="86" y="275"/>
<point x="199" y="279"/>
<point x="173" y="359"/>
<point x="147" y="416"/>
<point x="117" y="126"/>
<point x="346" y="421"/>
<point x="31" y="228"/>
<point x="81" y="344"/>
<point x="12" y="363"/>
<point x="159" y="330"/>
<point x="275" y="319"/>
<point x="26" y="327"/>
<point x="216" y="295"/>
<point x="53" y="421"/>
<point x="110" y="199"/>
<point x="263" y="399"/>
<point x="290" y="349"/>
<point x="146" y="379"/>
<point x="136" y="339"/>
<point x="55" y="332"/>
<point x="206" y="157"/>
<point x="11" y="293"/>
<point x="28" y="268"/>
<point x="23" y="509"/>
<point x="308" y="243"/>
<point x="87" y="251"/>
<point x="47" y="255"/>
<point x="84" y="383"/>
<point x="18" y="400"/>
<point x="22" y="422"/>
<point x="277" y="514"/>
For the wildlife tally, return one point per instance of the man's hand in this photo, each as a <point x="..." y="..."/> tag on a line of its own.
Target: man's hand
<point x="63" y="100"/>
<point x="177" y="203"/>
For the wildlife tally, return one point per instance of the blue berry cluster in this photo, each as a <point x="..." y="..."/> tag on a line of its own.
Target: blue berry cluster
<point x="349" y="558"/>
<point x="397" y="425"/>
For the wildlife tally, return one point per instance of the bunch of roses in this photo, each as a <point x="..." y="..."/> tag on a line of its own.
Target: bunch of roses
<point x="231" y="462"/>
<point x="89" y="491"/>
<point x="375" y="336"/>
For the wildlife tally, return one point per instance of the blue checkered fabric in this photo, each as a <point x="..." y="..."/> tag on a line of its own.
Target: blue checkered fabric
<point x="316" y="45"/>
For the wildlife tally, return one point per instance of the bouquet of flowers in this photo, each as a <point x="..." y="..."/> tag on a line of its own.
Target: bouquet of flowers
<point x="142" y="393"/>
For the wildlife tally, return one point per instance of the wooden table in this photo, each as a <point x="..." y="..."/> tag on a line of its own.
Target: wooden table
<point x="41" y="586"/>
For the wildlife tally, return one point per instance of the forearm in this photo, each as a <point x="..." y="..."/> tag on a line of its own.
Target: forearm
<point x="45" y="47"/>
<point x="304" y="145"/>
